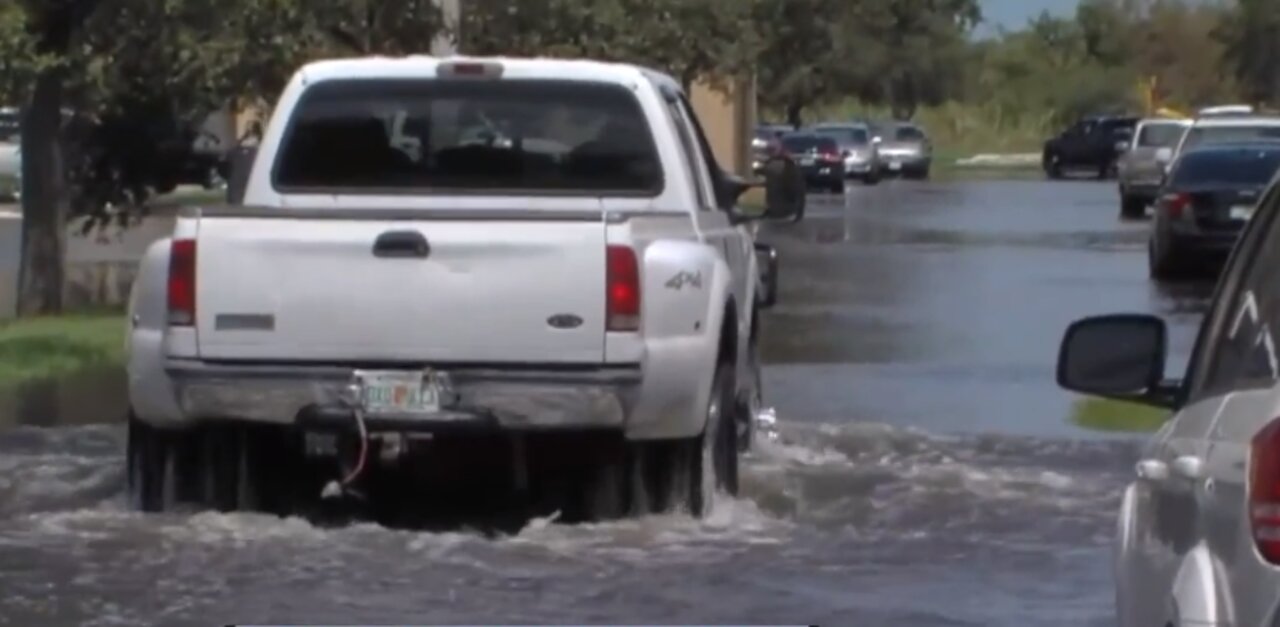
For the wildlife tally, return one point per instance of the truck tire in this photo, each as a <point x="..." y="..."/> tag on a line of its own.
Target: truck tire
<point x="227" y="467"/>
<point x="751" y="402"/>
<point x="1052" y="164"/>
<point x="713" y="465"/>
<point x="1164" y="266"/>
<point x="1132" y="207"/>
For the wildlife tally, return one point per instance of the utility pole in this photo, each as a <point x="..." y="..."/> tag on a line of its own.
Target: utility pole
<point x="446" y="41"/>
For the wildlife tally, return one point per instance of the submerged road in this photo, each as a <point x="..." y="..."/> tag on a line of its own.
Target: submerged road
<point x="928" y="475"/>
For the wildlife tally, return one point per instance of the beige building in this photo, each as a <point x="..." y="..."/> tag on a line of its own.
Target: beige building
<point x="728" y="115"/>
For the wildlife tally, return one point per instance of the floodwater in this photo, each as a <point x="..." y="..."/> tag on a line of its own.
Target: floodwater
<point x="927" y="472"/>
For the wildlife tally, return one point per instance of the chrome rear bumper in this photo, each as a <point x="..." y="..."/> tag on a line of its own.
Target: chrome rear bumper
<point x="514" y="399"/>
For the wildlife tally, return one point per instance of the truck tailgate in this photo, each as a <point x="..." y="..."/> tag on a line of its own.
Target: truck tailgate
<point x="485" y="291"/>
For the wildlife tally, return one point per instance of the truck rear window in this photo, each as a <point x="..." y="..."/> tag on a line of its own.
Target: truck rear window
<point x="364" y="136"/>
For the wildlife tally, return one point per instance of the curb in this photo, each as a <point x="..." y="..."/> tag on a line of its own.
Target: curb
<point x="1018" y="160"/>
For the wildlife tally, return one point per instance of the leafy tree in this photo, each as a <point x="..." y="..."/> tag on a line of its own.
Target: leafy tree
<point x="798" y="64"/>
<point x="1252" y="36"/>
<point x="691" y="39"/>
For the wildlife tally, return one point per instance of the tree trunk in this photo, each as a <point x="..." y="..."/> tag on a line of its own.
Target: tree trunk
<point x="44" y="206"/>
<point x="793" y="114"/>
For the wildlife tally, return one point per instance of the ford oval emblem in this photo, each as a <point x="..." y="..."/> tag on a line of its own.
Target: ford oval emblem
<point x="564" y="321"/>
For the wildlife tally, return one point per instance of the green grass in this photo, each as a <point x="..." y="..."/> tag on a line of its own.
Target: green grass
<point x="192" y="197"/>
<point x="46" y="347"/>
<point x="1101" y="414"/>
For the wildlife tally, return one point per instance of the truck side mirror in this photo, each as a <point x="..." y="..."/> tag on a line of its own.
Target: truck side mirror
<point x="784" y="189"/>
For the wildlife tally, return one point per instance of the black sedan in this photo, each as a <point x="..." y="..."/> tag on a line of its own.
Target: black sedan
<point x="1208" y="197"/>
<point x="819" y="157"/>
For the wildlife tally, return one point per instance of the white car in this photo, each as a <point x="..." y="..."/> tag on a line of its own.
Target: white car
<point x="579" y="329"/>
<point x="1224" y="128"/>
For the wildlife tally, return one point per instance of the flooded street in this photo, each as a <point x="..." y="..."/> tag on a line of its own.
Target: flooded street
<point x="928" y="472"/>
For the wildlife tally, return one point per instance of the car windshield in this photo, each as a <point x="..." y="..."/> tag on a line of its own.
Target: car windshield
<point x="1227" y="134"/>
<point x="1244" y="167"/>
<point x="908" y="134"/>
<point x="808" y="143"/>
<point x="541" y="136"/>
<point x="1160" y="135"/>
<point x="852" y="135"/>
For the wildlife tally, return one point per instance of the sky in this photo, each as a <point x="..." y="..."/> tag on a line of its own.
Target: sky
<point x="1014" y="14"/>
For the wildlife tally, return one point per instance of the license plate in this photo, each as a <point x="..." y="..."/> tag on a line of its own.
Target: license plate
<point x="398" y="392"/>
<point x="895" y="166"/>
<point x="1241" y="212"/>
<point x="807" y="161"/>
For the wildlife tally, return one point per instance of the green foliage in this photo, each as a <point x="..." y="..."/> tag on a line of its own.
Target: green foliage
<point x="1100" y="414"/>
<point x="688" y="38"/>
<point x="46" y="347"/>
<point x="1251" y="34"/>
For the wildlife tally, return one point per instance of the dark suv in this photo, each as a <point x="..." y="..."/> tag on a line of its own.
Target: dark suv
<point x="1092" y="144"/>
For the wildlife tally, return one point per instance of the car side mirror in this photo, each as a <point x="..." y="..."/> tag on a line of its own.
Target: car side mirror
<point x="241" y="165"/>
<point x="767" y="261"/>
<point x="1163" y="155"/>
<point x="1122" y="146"/>
<point x="876" y="140"/>
<point x="1119" y="356"/>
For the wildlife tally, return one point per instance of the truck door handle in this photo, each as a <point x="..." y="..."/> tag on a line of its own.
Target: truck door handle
<point x="1152" y="470"/>
<point x="401" y="244"/>
<point x="1188" y="467"/>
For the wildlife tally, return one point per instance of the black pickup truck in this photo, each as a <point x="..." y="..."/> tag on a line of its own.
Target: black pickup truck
<point x="1091" y="144"/>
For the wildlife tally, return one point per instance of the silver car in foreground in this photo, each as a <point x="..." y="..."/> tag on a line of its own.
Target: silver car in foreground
<point x="1198" y="535"/>
<point x="1141" y="167"/>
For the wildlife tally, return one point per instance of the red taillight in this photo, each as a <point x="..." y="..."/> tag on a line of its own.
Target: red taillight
<point x="182" y="282"/>
<point x="623" y="285"/>
<point x="1264" y="491"/>
<point x="1175" y="204"/>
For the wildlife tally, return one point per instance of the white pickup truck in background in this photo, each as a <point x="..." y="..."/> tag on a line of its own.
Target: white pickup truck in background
<point x="481" y="273"/>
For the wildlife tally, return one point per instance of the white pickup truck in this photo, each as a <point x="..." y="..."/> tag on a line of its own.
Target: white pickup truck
<point x="525" y="270"/>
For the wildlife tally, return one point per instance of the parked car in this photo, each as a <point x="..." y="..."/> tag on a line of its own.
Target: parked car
<point x="1210" y="194"/>
<point x="1228" y="128"/>
<point x="859" y="152"/>
<point x="904" y="148"/>
<point x="1090" y="144"/>
<point x="10" y="152"/>
<point x="819" y="158"/>
<point x="1141" y="167"/>
<point x="558" y="324"/>
<point x="1198" y="534"/>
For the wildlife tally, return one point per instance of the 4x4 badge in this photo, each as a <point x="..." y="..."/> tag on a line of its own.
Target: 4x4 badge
<point x="683" y="278"/>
